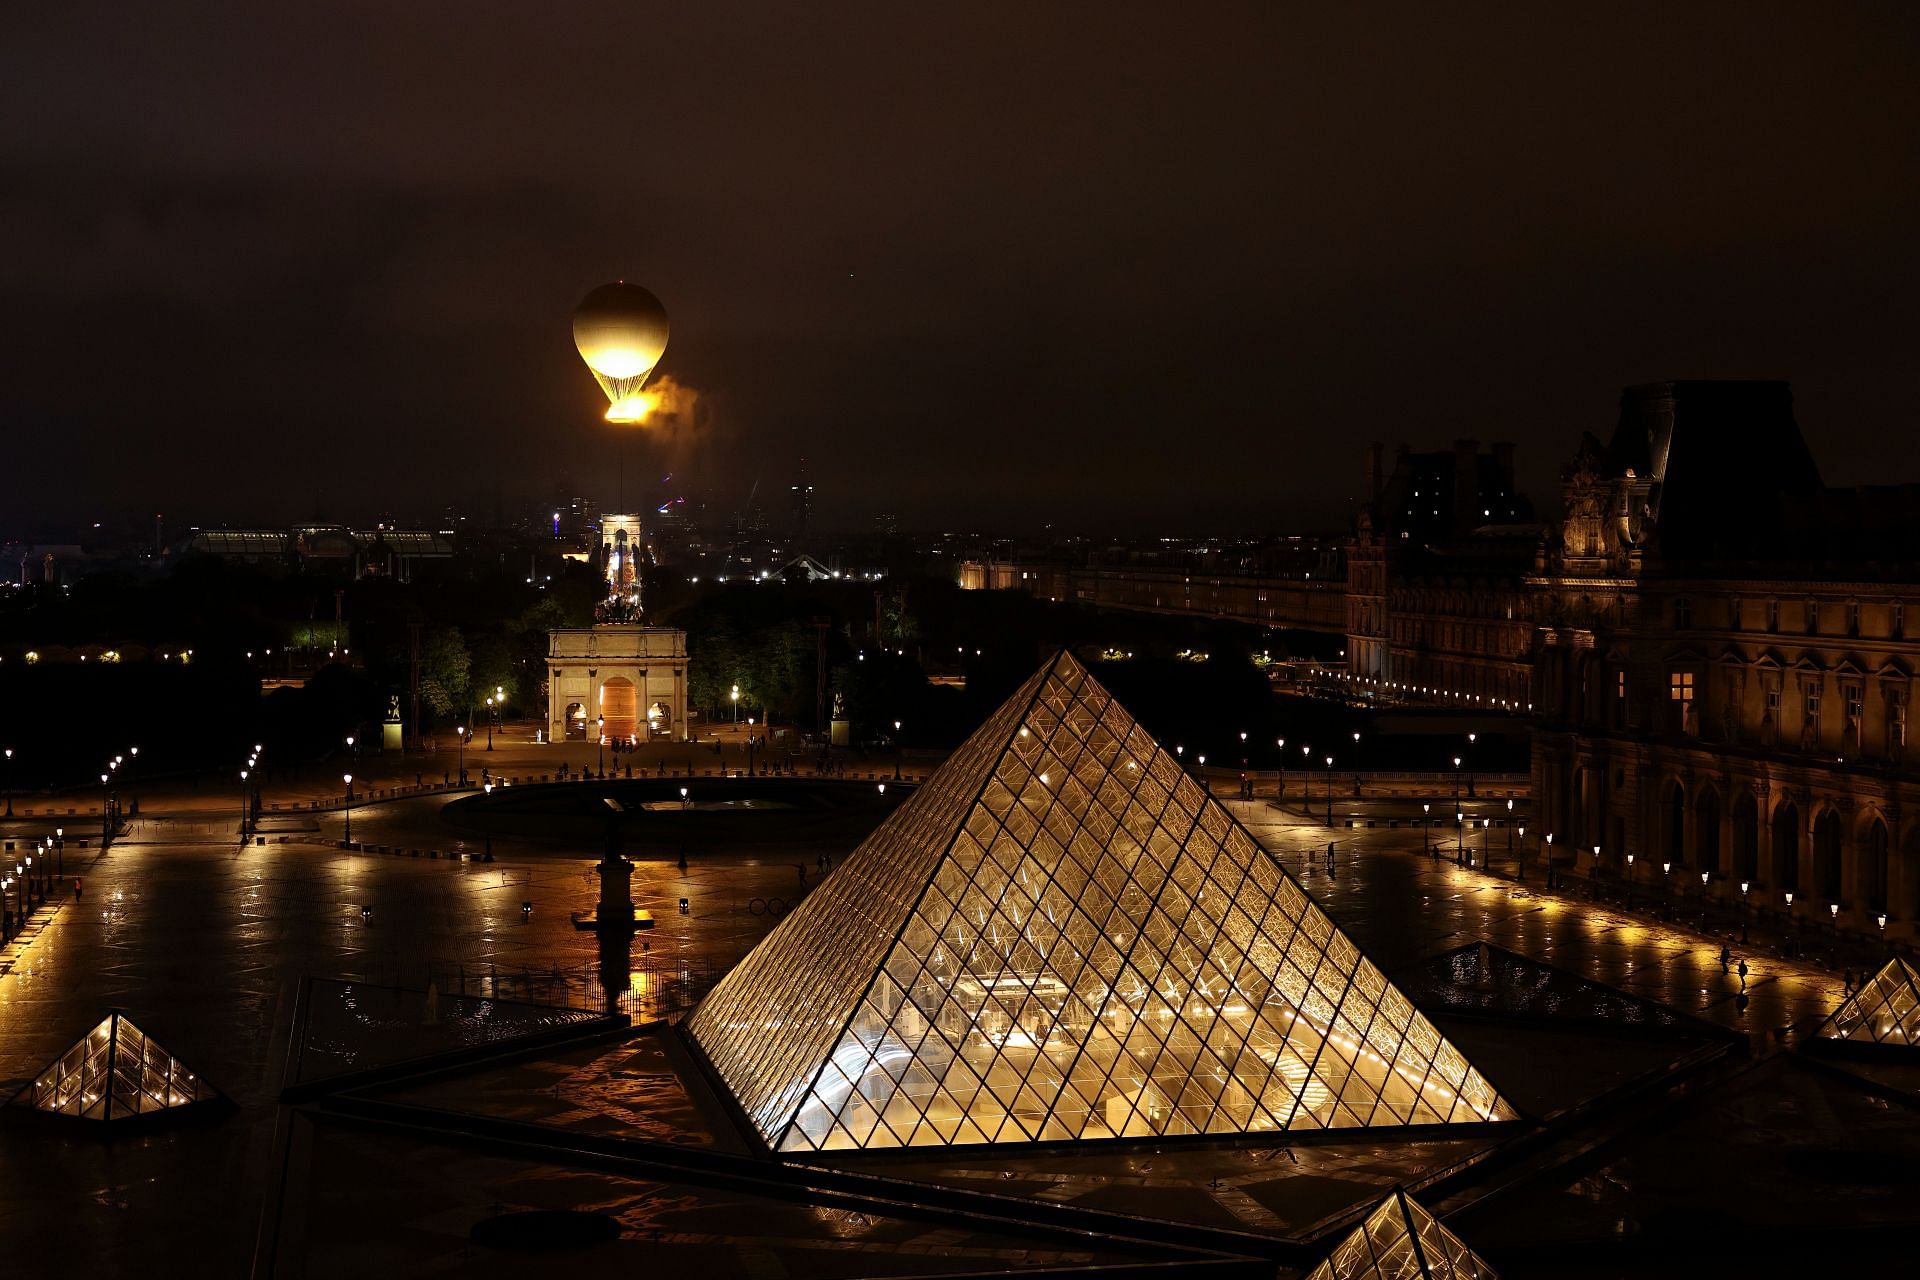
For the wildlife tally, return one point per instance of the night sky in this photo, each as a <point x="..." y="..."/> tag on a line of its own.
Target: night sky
<point x="1120" y="268"/>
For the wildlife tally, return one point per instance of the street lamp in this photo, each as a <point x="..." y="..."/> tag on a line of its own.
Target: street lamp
<point x="735" y="695"/>
<point x="599" y="748"/>
<point x="245" y="808"/>
<point x="60" y="848"/>
<point x="750" y="719"/>
<point x="1471" y="739"/>
<point x="9" y="782"/>
<point x="896" y="748"/>
<point x="348" y="779"/>
<point x="493" y="715"/>
<point x="1329" y="791"/>
<point x="1486" y="839"/>
<point x="1509" y="826"/>
<point x="1426" y="828"/>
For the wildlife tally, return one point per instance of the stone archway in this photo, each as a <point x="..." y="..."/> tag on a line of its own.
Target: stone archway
<point x="576" y="722"/>
<point x="620" y="708"/>
<point x="1673" y="843"/>
<point x="1874" y="868"/>
<point x="1746" y="837"/>
<point x="1785" y="872"/>
<point x="1706" y="829"/>
<point x="1826" y="856"/>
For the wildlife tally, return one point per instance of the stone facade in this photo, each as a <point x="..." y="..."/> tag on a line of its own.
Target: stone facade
<point x="633" y="678"/>
<point x="1724" y="666"/>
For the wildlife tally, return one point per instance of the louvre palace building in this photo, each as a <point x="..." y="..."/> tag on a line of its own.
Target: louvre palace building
<point x="1722" y="666"/>
<point x="1712" y="642"/>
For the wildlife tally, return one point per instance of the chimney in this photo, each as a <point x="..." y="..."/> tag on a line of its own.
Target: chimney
<point x="1376" y="455"/>
<point x="1466" y="485"/>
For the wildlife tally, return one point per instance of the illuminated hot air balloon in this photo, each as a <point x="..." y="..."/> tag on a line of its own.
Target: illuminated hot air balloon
<point x="621" y="331"/>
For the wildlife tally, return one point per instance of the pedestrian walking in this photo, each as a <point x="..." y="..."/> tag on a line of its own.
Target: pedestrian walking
<point x="1726" y="956"/>
<point x="1743" y="973"/>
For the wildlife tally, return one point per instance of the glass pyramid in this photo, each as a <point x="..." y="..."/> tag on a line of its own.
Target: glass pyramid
<point x="1885" y="1010"/>
<point x="114" y="1072"/>
<point x="1401" y="1241"/>
<point x="1061" y="936"/>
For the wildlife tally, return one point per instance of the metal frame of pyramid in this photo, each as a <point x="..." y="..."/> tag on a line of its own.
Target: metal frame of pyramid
<point x="1401" y="1241"/>
<point x="1884" y="1011"/>
<point x="115" y="1072"/>
<point x="1060" y="937"/>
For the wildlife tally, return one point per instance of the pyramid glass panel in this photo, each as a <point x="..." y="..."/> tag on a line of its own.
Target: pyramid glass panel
<point x="1885" y="1010"/>
<point x="1401" y="1241"/>
<point x="1061" y="936"/>
<point x="115" y="1072"/>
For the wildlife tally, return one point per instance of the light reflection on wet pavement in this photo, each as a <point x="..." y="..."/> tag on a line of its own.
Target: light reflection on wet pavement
<point x="204" y="944"/>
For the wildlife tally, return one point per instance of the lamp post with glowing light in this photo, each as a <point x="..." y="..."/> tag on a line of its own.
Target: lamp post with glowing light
<point x="599" y="747"/>
<point x="1281" y="745"/>
<point x="9" y="781"/>
<point x="1329" y="791"/>
<point x="347" y="778"/>
<point x="1426" y="829"/>
<point x="897" y="749"/>
<point x="750" y="720"/>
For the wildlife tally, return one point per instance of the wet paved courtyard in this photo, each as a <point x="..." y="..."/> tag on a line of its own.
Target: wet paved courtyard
<point x="205" y="943"/>
<point x="208" y="939"/>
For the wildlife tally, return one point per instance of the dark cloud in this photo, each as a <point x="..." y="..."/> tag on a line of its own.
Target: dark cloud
<point x="1111" y="267"/>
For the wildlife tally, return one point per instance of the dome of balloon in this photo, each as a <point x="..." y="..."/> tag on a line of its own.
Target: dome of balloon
<point x="621" y="331"/>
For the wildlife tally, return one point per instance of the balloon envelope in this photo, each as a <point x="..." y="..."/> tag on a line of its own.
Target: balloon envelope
<point x="621" y="331"/>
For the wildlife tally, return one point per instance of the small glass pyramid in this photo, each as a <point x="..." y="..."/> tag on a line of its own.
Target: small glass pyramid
<point x="114" y="1072"/>
<point x="1885" y="1010"/>
<point x="1061" y="937"/>
<point x="1401" y="1241"/>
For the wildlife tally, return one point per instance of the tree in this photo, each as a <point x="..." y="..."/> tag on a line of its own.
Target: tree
<point x="446" y="671"/>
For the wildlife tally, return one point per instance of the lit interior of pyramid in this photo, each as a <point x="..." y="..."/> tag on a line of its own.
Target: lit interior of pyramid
<point x="1886" y="1009"/>
<point x="113" y="1072"/>
<point x="1401" y="1241"/>
<point x="1063" y="937"/>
